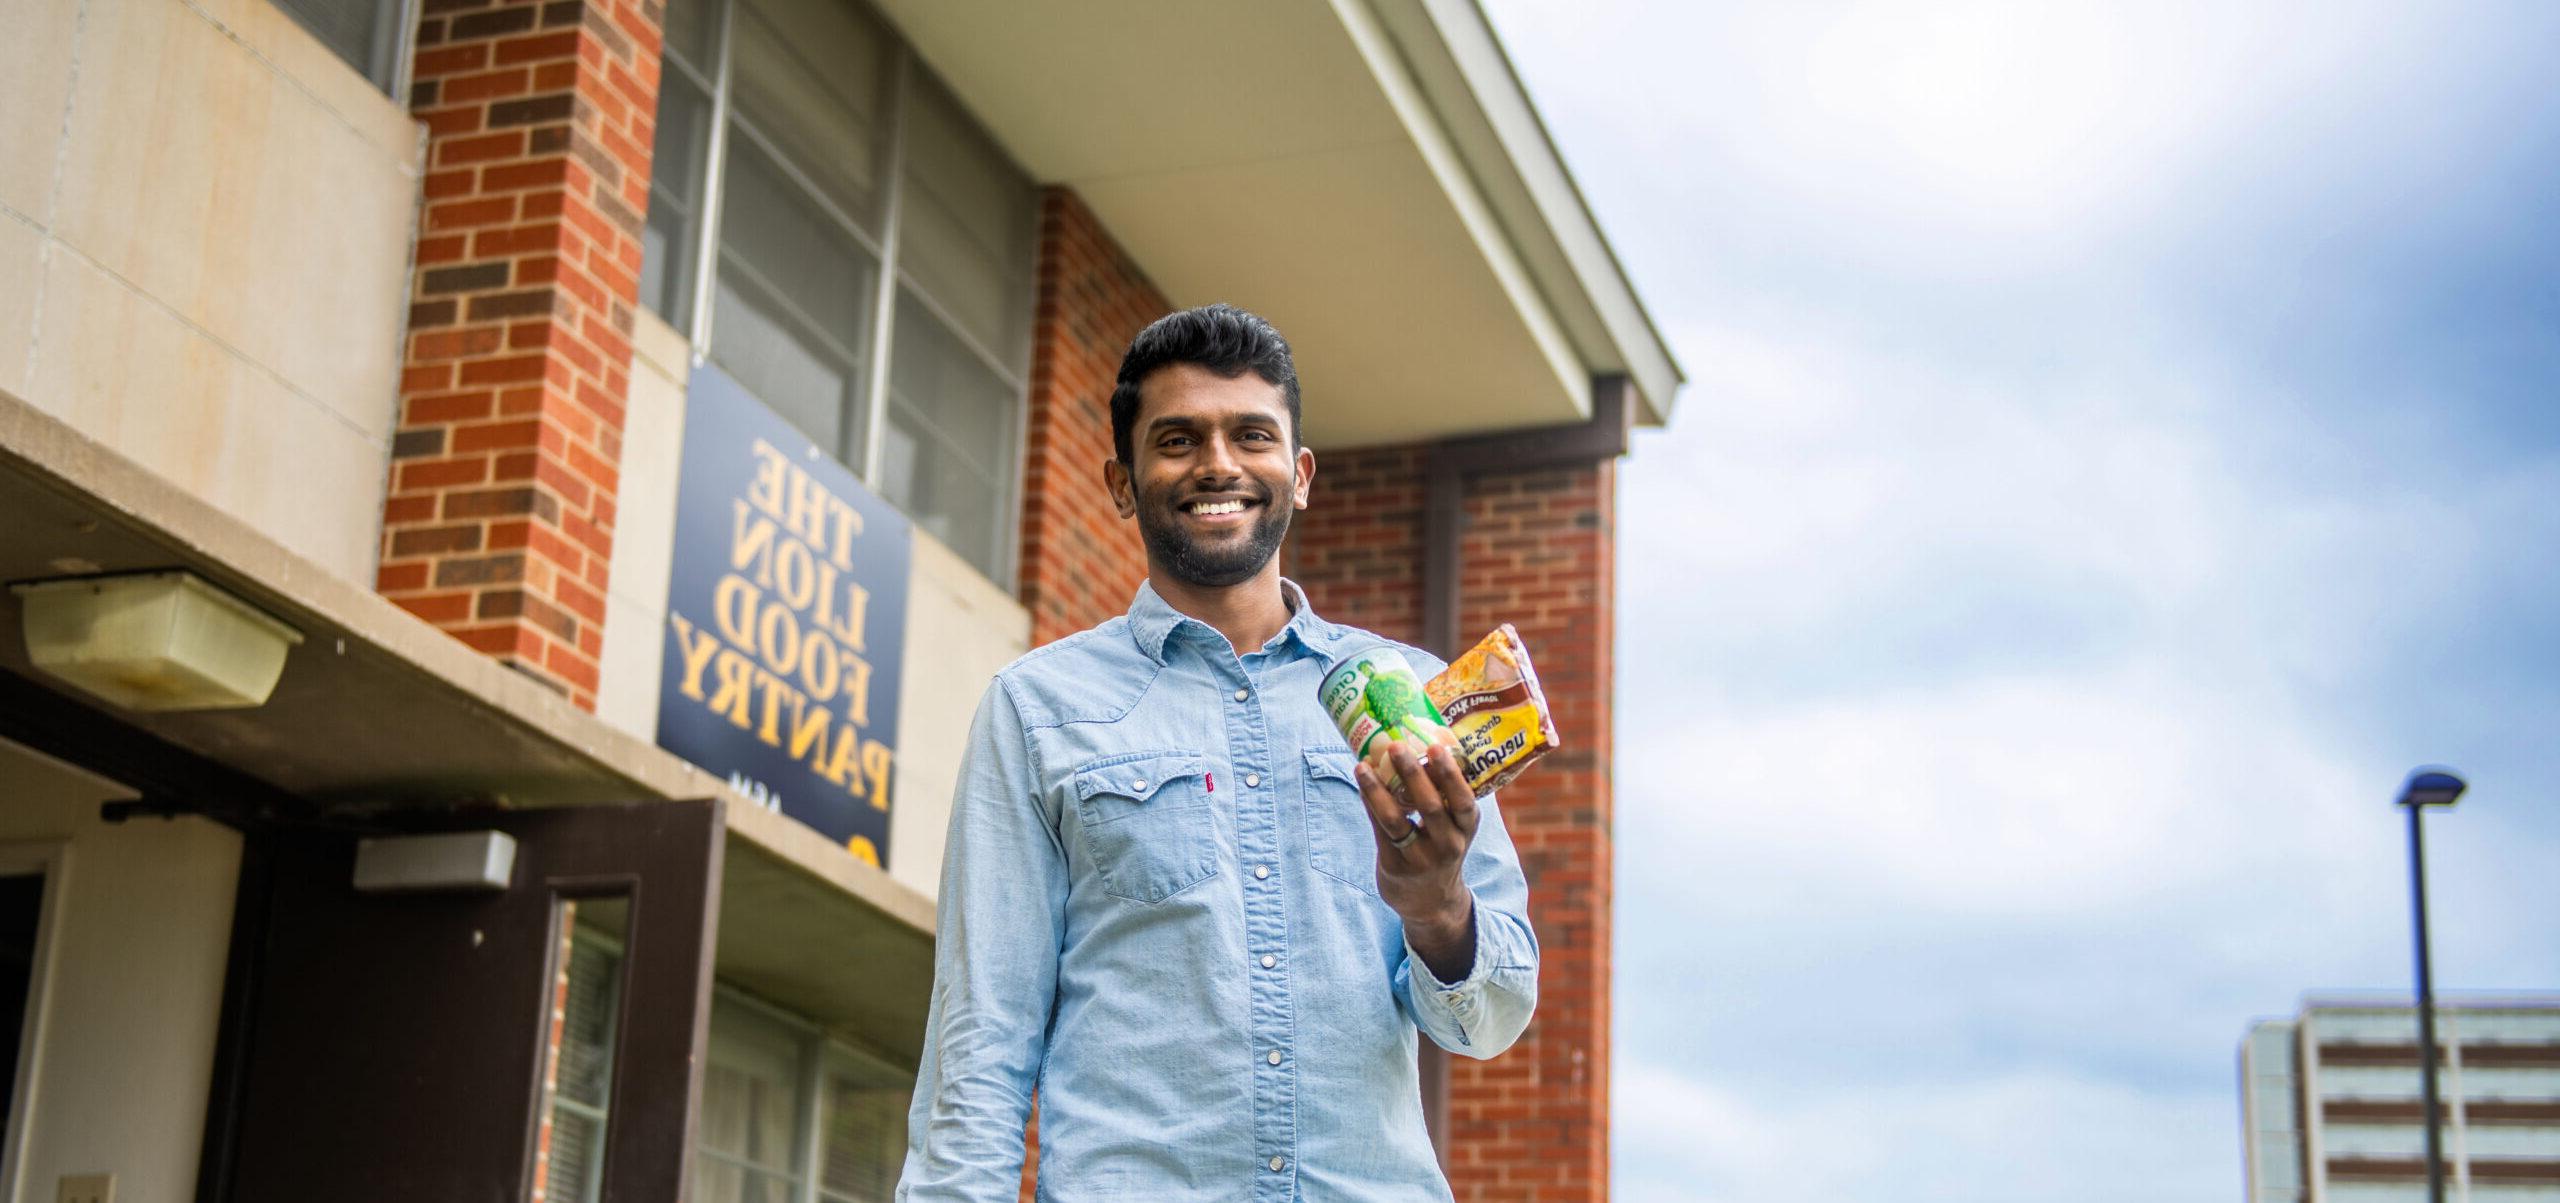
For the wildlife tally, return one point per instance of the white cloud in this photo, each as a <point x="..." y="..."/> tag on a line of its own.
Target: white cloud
<point x="2006" y="796"/>
<point x="2014" y="620"/>
<point x="2050" y="1138"/>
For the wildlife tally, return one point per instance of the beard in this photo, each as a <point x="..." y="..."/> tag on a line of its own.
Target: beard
<point x="1206" y="566"/>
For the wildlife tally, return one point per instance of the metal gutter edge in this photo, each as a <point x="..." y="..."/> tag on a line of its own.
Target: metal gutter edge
<point x="1463" y="69"/>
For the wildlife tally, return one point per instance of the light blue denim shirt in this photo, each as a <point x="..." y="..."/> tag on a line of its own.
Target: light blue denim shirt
<point x="1160" y="911"/>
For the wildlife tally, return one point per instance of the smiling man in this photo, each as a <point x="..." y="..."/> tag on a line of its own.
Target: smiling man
<point x="1172" y="902"/>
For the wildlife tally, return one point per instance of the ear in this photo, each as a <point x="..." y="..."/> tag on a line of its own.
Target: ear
<point x="1305" y="477"/>
<point x="1124" y="494"/>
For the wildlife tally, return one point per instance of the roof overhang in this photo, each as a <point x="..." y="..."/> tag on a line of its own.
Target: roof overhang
<point x="378" y="711"/>
<point x="1368" y="174"/>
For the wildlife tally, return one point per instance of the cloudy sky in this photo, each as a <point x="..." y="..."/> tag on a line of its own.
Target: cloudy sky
<point x="2121" y="441"/>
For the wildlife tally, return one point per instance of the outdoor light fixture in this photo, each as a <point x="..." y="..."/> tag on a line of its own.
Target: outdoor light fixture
<point x="154" y="640"/>
<point x="2426" y="787"/>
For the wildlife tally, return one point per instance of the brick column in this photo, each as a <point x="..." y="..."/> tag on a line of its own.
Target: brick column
<point x="1538" y="551"/>
<point x="1080" y="562"/>
<point x="499" y="522"/>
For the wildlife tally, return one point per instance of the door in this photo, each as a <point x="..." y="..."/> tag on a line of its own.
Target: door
<point x="404" y="1047"/>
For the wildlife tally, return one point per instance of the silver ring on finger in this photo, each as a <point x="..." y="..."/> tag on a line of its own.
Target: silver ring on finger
<point x="1400" y="842"/>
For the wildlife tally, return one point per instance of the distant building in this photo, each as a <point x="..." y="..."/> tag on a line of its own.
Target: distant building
<point x="2330" y="1106"/>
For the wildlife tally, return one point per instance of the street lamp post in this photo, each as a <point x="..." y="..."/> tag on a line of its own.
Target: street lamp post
<point x="2426" y="787"/>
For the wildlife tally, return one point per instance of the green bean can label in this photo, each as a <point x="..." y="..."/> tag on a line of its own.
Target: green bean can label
<point x="1375" y="692"/>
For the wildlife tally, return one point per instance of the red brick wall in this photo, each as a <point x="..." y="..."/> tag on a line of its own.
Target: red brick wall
<point x="1080" y="561"/>
<point x="1538" y="551"/>
<point x="499" y="522"/>
<point x="1357" y="548"/>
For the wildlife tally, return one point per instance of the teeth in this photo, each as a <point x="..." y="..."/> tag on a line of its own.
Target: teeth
<point x="1218" y="507"/>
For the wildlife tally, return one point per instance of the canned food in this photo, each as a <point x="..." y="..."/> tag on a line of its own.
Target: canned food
<point x="1376" y="699"/>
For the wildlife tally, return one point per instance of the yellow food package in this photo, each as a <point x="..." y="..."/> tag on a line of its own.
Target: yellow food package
<point x="1490" y="698"/>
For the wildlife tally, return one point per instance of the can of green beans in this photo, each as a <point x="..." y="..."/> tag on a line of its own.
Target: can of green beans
<point x="1375" y="698"/>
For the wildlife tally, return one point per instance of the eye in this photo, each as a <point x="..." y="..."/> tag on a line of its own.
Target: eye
<point x="1257" y="436"/>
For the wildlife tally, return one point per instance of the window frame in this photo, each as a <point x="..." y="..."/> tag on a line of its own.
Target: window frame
<point x="816" y="1050"/>
<point x="866" y="425"/>
<point x="570" y="932"/>
<point x="395" y="40"/>
<point x="50" y="859"/>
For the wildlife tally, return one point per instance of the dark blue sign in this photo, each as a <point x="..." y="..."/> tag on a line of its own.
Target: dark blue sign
<point x="786" y="613"/>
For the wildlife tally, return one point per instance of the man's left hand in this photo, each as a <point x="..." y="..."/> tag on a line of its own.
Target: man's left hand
<point x="1422" y="860"/>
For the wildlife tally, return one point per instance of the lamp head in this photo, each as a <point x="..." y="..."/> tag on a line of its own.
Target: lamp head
<point x="2433" y="785"/>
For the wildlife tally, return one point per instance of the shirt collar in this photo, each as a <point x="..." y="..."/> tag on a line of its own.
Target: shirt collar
<point x="1153" y="621"/>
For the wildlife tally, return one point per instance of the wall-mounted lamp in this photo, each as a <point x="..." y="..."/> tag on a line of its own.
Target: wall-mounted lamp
<point x="154" y="640"/>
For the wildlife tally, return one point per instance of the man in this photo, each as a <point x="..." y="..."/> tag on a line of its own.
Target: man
<point x="1172" y="902"/>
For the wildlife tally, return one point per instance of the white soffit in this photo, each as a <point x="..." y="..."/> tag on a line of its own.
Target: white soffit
<point x="1284" y="156"/>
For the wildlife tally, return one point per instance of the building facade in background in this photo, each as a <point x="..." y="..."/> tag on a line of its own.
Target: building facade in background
<point x="656" y="420"/>
<point x="2332" y="1113"/>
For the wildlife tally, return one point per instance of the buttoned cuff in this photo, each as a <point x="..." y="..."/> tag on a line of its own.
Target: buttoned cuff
<point x="1461" y="1001"/>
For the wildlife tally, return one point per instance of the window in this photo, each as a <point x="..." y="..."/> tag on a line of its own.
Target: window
<point x="371" y="35"/>
<point x="832" y="228"/>
<point x="788" y="1115"/>
<point x="580" y="1082"/>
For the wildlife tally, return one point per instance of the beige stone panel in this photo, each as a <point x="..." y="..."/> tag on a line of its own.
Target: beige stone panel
<point x="35" y="80"/>
<point x="130" y="374"/>
<point x="21" y="279"/>
<point x="644" y="533"/>
<point x="209" y="180"/>
<point x="961" y="628"/>
<point x="308" y="64"/>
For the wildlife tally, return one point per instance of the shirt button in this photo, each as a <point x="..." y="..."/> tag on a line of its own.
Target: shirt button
<point x="1252" y="779"/>
<point x="1242" y="694"/>
<point x="1261" y="871"/>
<point x="1274" y="1058"/>
<point x="1269" y="960"/>
<point x="1276" y="1163"/>
<point x="1140" y="786"/>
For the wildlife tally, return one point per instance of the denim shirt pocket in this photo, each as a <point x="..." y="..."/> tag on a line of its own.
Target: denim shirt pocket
<point x="1149" y="824"/>
<point x="1340" y="844"/>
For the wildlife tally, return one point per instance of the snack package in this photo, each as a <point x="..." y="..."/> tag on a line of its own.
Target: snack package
<point x="1376" y="700"/>
<point x="1490" y="698"/>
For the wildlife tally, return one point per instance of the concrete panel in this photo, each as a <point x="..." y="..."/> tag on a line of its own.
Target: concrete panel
<point x="313" y="68"/>
<point x="231" y="192"/>
<point x="644" y="533"/>
<point x="961" y="628"/>
<point x="21" y="275"/>
<point x="126" y="372"/>
<point x="130" y="1009"/>
<point x="35" y="81"/>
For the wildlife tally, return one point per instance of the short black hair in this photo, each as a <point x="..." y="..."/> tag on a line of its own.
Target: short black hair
<point x="1221" y="338"/>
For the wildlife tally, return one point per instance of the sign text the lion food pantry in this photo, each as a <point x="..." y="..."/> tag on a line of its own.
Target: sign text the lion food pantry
<point x="786" y="612"/>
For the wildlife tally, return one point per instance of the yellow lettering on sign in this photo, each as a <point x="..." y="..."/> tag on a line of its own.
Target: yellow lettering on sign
<point x="875" y="765"/>
<point x="786" y="638"/>
<point x="731" y="697"/>
<point x="772" y="468"/>
<point x="696" y="645"/>
<point x="733" y="609"/>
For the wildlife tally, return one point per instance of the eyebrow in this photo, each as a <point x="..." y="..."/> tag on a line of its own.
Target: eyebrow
<point x="1179" y="422"/>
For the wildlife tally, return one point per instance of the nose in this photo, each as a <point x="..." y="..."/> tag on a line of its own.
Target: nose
<point x="1217" y="462"/>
